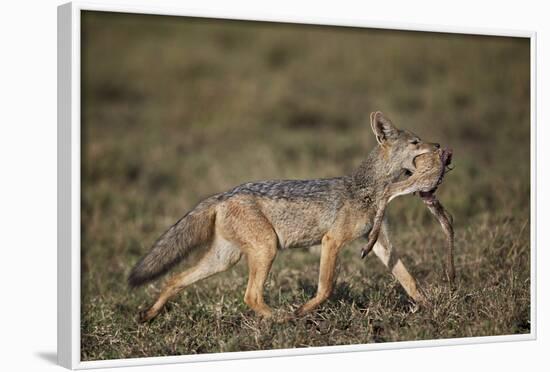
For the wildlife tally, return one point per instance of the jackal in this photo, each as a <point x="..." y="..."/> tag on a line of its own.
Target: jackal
<point x="259" y="218"/>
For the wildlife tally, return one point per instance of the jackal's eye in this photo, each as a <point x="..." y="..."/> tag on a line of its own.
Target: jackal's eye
<point x="414" y="141"/>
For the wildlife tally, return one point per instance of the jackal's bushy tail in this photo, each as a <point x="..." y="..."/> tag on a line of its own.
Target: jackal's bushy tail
<point x="192" y="230"/>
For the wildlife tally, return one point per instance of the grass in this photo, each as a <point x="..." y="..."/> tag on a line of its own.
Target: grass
<point x="176" y="109"/>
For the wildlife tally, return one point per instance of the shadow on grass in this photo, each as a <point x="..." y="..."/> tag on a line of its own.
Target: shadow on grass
<point x="342" y="292"/>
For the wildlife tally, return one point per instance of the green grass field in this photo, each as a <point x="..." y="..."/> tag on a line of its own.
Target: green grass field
<point x="176" y="109"/>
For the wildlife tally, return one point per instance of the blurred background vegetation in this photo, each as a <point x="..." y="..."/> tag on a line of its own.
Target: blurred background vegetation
<point x="175" y="109"/>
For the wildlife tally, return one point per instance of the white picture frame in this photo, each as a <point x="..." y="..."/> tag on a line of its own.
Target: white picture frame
<point x="69" y="185"/>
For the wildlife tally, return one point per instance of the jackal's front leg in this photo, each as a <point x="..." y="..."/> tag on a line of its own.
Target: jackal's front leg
<point x="390" y="258"/>
<point x="329" y="252"/>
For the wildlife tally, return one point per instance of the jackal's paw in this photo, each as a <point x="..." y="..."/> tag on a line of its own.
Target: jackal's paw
<point x="303" y="310"/>
<point x="144" y="316"/>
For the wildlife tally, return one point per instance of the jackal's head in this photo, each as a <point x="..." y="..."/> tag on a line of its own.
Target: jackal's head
<point x="399" y="147"/>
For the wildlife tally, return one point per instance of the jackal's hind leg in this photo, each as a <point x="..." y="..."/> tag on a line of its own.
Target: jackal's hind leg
<point x="245" y="224"/>
<point x="220" y="257"/>
<point x="260" y="259"/>
<point x="389" y="257"/>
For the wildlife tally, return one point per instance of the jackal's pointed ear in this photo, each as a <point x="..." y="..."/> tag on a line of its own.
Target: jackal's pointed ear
<point x="382" y="127"/>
